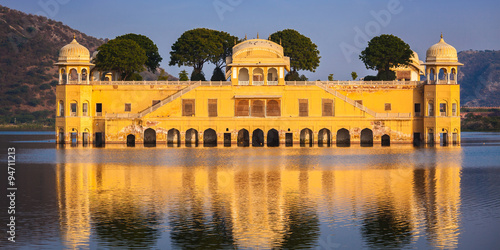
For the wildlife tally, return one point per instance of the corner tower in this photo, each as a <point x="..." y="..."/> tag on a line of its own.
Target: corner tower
<point x="73" y="95"/>
<point x="442" y="95"/>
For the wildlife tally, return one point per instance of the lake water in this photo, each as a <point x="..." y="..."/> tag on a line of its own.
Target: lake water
<point x="247" y="198"/>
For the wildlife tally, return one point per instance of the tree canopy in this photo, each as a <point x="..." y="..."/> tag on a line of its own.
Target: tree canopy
<point x="303" y="53"/>
<point x="122" y="55"/>
<point x="385" y="52"/>
<point x="154" y="58"/>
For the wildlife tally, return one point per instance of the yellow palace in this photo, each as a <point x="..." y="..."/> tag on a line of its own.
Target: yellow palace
<point x="257" y="106"/>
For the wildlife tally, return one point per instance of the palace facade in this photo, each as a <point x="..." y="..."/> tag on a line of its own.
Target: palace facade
<point x="257" y="107"/>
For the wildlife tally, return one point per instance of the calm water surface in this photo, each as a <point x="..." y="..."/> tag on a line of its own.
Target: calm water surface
<point x="248" y="198"/>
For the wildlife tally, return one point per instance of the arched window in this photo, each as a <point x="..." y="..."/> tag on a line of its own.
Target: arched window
<point x="63" y="78"/>
<point x="84" y="75"/>
<point x="272" y="76"/>
<point x="443" y="109"/>
<point x="430" y="108"/>
<point x="242" y="108"/>
<point x="73" y="75"/>
<point x="73" y="108"/>
<point x="432" y="76"/>
<point x="453" y="76"/>
<point x="60" y="109"/>
<point x="273" y="108"/>
<point x="443" y="76"/>
<point x="257" y="108"/>
<point x="85" y="108"/>
<point x="258" y="76"/>
<point x="243" y="77"/>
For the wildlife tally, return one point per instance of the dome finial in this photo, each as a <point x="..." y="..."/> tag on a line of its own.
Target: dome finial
<point x="245" y="36"/>
<point x="441" y="35"/>
<point x="257" y="35"/>
<point x="74" y="36"/>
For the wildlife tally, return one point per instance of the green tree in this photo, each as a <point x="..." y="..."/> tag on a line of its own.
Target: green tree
<point x="354" y="75"/>
<point x="218" y="75"/>
<point x="197" y="76"/>
<point x="385" y="52"/>
<point x="330" y="77"/>
<point x="303" y="53"/>
<point x="163" y="75"/>
<point x="154" y="58"/>
<point x="122" y="55"/>
<point x="195" y="47"/>
<point x="183" y="76"/>
<point x="294" y="76"/>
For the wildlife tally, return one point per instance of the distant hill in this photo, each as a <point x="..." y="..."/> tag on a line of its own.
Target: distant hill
<point x="29" y="47"/>
<point x="479" y="78"/>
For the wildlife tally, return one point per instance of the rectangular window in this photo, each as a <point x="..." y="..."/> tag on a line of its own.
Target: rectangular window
<point x="387" y="107"/>
<point x="212" y="107"/>
<point x="188" y="107"/>
<point x="156" y="102"/>
<point x="327" y="107"/>
<point x="303" y="107"/>
<point x="442" y="109"/>
<point x="454" y="109"/>
<point x="242" y="108"/>
<point x="430" y="109"/>
<point x="85" y="109"/>
<point x="128" y="107"/>
<point x="98" y="109"/>
<point x="73" y="109"/>
<point x="360" y="102"/>
<point x="417" y="109"/>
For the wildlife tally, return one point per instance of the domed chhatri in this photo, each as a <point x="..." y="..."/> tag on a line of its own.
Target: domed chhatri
<point x="442" y="52"/>
<point x="74" y="52"/>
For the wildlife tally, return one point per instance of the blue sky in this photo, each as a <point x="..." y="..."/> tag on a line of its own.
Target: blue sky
<point x="339" y="28"/>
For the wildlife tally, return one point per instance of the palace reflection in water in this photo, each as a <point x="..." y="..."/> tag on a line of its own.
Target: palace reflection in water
<point x="287" y="198"/>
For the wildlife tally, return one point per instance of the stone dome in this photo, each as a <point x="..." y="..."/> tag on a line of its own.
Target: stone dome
<point x="442" y="52"/>
<point x="74" y="52"/>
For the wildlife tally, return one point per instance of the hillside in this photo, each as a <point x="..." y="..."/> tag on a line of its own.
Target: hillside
<point x="29" y="46"/>
<point x="480" y="78"/>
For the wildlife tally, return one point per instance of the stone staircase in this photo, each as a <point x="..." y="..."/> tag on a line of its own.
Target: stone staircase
<point x="347" y="99"/>
<point x="168" y="99"/>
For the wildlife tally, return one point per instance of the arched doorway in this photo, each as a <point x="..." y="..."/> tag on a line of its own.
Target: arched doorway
<point x="61" y="136"/>
<point x="191" y="137"/>
<point x="386" y="141"/>
<point x="209" y="138"/>
<point x="85" y="137"/>
<point x="173" y="138"/>
<point x="258" y="76"/>
<point x="150" y="137"/>
<point x="258" y="138"/>
<point x="243" y="139"/>
<point x="272" y="76"/>
<point x="366" y="138"/>
<point x="130" y="140"/>
<point x="273" y="138"/>
<point x="324" y="136"/>
<point x="306" y="137"/>
<point x="343" y="138"/>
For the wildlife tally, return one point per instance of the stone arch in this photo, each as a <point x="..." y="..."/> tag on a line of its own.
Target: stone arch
<point x="173" y="137"/>
<point x="258" y="108"/>
<point x="131" y="140"/>
<point x="85" y="108"/>
<point x="73" y="108"/>
<point x="343" y="138"/>
<point x="209" y="138"/>
<point x="430" y="108"/>
<point x="191" y="137"/>
<point x="243" y="77"/>
<point x="386" y="140"/>
<point x="258" y="138"/>
<point x="366" y="137"/>
<point x="273" y="138"/>
<point x="324" y="137"/>
<point x="74" y="137"/>
<point x="84" y="75"/>
<point x="243" y="139"/>
<point x="273" y="108"/>
<point x="306" y="137"/>
<point x="453" y="75"/>
<point x="73" y="74"/>
<point x="443" y="74"/>
<point x="432" y="75"/>
<point x="150" y="137"/>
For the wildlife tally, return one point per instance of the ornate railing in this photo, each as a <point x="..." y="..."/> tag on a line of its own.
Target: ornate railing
<point x="244" y="83"/>
<point x="272" y="82"/>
